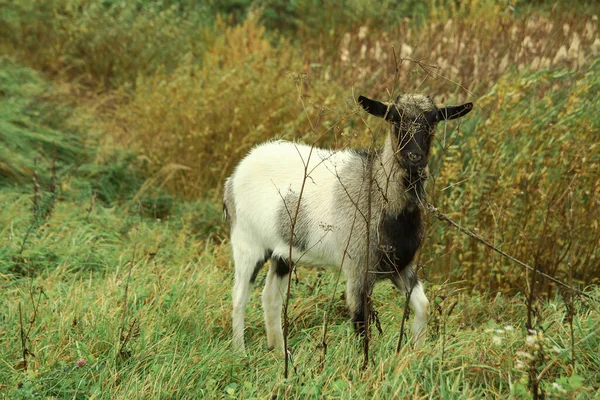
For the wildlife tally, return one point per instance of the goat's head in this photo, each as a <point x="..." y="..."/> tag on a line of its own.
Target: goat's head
<point x="413" y="120"/>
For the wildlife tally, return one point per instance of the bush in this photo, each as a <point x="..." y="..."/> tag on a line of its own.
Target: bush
<point x="107" y="42"/>
<point x="205" y="118"/>
<point x="526" y="173"/>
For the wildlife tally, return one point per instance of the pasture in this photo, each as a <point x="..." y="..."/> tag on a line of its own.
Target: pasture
<point x="120" y="122"/>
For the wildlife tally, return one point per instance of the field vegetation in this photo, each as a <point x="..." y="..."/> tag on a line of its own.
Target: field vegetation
<point x="120" y="121"/>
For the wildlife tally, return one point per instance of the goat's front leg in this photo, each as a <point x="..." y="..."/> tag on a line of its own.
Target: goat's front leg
<point x="410" y="284"/>
<point x="358" y="299"/>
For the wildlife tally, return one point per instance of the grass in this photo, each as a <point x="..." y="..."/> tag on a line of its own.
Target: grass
<point x="115" y="268"/>
<point x="33" y="126"/>
<point x="178" y="315"/>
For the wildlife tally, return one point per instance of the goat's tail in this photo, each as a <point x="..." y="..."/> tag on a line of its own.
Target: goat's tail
<point x="228" y="202"/>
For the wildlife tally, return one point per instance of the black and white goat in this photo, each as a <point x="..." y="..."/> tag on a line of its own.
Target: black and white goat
<point x="262" y="195"/>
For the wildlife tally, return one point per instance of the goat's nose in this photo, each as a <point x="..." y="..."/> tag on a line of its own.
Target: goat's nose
<point x="415" y="158"/>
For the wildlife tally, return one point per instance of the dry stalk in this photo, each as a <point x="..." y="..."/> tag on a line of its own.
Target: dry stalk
<point x="443" y="217"/>
<point x="24" y="351"/>
<point x="125" y="338"/>
<point x="293" y="219"/>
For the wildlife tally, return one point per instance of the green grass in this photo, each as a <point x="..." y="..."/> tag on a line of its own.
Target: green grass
<point x="178" y="320"/>
<point x="120" y="259"/>
<point x="33" y="127"/>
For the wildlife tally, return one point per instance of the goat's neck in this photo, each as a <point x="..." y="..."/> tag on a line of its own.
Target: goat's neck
<point x="389" y="180"/>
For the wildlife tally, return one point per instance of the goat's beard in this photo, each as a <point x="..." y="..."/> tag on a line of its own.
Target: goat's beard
<point x="414" y="182"/>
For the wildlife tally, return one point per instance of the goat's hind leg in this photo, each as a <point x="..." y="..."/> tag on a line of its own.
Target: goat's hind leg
<point x="248" y="261"/>
<point x="274" y="293"/>
<point x="409" y="283"/>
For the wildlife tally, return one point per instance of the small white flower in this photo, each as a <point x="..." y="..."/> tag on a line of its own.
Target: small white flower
<point x="531" y="340"/>
<point x="362" y="32"/>
<point x="405" y="51"/>
<point x="509" y="328"/>
<point x="557" y="349"/>
<point x="497" y="340"/>
<point x="500" y="331"/>
<point x="558" y="387"/>
<point x="520" y="365"/>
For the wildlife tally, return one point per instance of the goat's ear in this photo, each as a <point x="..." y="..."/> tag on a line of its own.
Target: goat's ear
<point x="373" y="107"/>
<point x="453" y="112"/>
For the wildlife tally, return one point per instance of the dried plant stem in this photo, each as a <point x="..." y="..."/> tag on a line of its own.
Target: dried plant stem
<point x="337" y="281"/>
<point x="291" y="267"/>
<point x="569" y="296"/>
<point x="443" y="217"/>
<point x="122" y="338"/>
<point x="23" y="339"/>
<point x="367" y="288"/>
<point x="405" y="315"/>
<point x="92" y="203"/>
<point x="293" y="219"/>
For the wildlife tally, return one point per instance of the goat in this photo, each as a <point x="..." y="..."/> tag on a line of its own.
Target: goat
<point x="262" y="202"/>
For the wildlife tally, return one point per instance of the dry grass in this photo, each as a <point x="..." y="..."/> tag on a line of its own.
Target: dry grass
<point x="187" y="100"/>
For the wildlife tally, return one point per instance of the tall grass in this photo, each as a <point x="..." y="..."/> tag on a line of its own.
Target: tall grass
<point x="33" y="127"/>
<point x="529" y="123"/>
<point x="525" y="173"/>
<point x="105" y="43"/>
<point x="160" y="100"/>
<point x="178" y="307"/>
<point x="245" y="76"/>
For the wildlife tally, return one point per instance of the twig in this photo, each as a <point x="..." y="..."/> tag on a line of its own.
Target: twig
<point x="367" y="287"/>
<point x="443" y="217"/>
<point x="23" y="339"/>
<point x="92" y="202"/>
<point x="405" y="315"/>
<point x="293" y="220"/>
<point x="124" y="339"/>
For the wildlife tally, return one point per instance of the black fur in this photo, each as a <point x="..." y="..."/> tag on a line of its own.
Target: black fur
<point x="414" y="136"/>
<point x="360" y="316"/>
<point x="401" y="238"/>
<point x="259" y="264"/>
<point x="282" y="267"/>
<point x="414" y="185"/>
<point x="375" y="107"/>
<point x="358" y="319"/>
<point x="362" y="153"/>
<point x="453" y="112"/>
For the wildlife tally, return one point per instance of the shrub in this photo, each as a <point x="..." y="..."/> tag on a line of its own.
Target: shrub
<point x="526" y="174"/>
<point x="107" y="42"/>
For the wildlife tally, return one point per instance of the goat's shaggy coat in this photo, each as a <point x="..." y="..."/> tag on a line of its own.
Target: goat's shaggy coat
<point x="262" y="196"/>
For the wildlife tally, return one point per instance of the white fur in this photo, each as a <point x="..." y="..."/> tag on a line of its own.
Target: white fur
<point x="254" y="195"/>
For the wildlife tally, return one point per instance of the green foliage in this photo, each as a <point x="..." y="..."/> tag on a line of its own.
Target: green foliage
<point x="308" y="18"/>
<point x="111" y="42"/>
<point x="205" y="118"/>
<point x="151" y="106"/>
<point x="526" y="173"/>
<point x="33" y="128"/>
<point x="179" y="305"/>
<point x="116" y="181"/>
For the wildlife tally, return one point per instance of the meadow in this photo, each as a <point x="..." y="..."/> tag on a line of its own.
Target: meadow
<point x="120" y="121"/>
